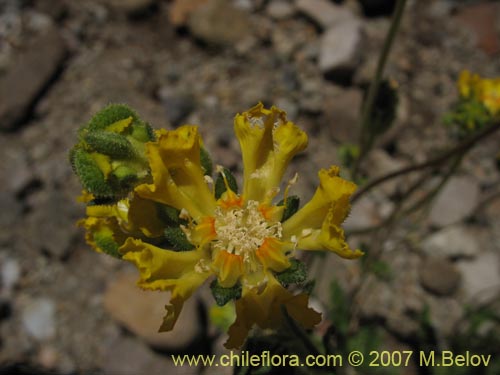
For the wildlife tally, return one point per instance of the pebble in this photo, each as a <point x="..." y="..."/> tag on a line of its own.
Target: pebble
<point x="481" y="277"/>
<point x="280" y="9"/>
<point x="456" y="241"/>
<point x="218" y="22"/>
<point x="340" y="48"/>
<point x="29" y="73"/>
<point x="10" y="273"/>
<point x="51" y="227"/>
<point x="439" y="276"/>
<point x="144" y="316"/>
<point x="38" y="319"/>
<point x="177" y="106"/>
<point x="456" y="201"/>
<point x="341" y="111"/>
<point x="325" y="13"/>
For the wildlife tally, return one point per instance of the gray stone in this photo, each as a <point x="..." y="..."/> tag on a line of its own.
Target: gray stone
<point x="127" y="356"/>
<point x="280" y="9"/>
<point x="439" y="276"/>
<point x="340" y="48"/>
<point x="10" y="273"/>
<point x="481" y="277"/>
<point x="444" y="314"/>
<point x="52" y="226"/>
<point x="456" y="201"/>
<point x="144" y="316"/>
<point x="218" y="22"/>
<point x="364" y="214"/>
<point x="29" y="73"/>
<point x="341" y="110"/>
<point x="38" y="319"/>
<point x="177" y="105"/>
<point x="455" y="241"/>
<point x="324" y="12"/>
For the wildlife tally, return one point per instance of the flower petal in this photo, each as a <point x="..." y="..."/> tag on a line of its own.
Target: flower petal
<point x="178" y="179"/>
<point x="264" y="309"/>
<point x="167" y="270"/>
<point x="268" y="142"/>
<point x="332" y="196"/>
<point x="229" y="268"/>
<point x="271" y="255"/>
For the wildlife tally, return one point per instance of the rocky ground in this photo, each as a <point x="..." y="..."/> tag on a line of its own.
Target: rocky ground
<point x="67" y="309"/>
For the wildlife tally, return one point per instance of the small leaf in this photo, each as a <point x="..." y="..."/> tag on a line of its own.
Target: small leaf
<point x="206" y="162"/>
<point x="112" y="144"/>
<point x="110" y="115"/>
<point x="220" y="186"/>
<point x="143" y="132"/>
<point x="295" y="274"/>
<point x="107" y="244"/>
<point x="91" y="176"/>
<point x="168" y="214"/>
<point x="224" y="295"/>
<point x="177" y="239"/>
<point x="292" y="206"/>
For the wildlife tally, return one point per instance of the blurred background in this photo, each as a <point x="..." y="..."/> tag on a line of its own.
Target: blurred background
<point x="435" y="281"/>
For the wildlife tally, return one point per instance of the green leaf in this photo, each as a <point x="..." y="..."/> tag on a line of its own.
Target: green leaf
<point x="109" y="115"/>
<point x="143" y="132"/>
<point x="295" y="274"/>
<point x="220" y="186"/>
<point x="168" y="214"/>
<point x="177" y="239"/>
<point x="90" y="175"/>
<point x="292" y="206"/>
<point x="112" y="144"/>
<point x="206" y="162"/>
<point x="107" y="244"/>
<point x="224" y="295"/>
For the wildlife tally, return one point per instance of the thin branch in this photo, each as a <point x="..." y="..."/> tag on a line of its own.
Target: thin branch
<point x="461" y="148"/>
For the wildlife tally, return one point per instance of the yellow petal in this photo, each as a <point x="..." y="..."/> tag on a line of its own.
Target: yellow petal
<point x="271" y="255"/>
<point x="162" y="269"/>
<point x="268" y="142"/>
<point x="103" y="232"/>
<point x="264" y="309"/>
<point x="330" y="237"/>
<point x="229" y="268"/>
<point x="178" y="179"/>
<point x="332" y="196"/>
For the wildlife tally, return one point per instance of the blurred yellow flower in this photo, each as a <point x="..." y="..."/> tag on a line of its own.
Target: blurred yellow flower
<point x="484" y="90"/>
<point x="241" y="239"/>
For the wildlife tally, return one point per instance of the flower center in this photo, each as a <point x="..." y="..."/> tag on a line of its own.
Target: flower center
<point x="242" y="231"/>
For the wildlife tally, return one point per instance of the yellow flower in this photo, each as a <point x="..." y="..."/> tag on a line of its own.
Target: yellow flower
<point x="486" y="91"/>
<point x="240" y="239"/>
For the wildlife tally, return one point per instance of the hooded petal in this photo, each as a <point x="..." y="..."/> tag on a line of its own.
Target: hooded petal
<point x="264" y="309"/>
<point x="162" y="269"/>
<point x="316" y="226"/>
<point x="268" y="142"/>
<point x="178" y="179"/>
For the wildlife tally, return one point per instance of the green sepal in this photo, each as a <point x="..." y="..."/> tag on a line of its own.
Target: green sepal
<point x="169" y="215"/>
<point x="109" y="115"/>
<point x="177" y="239"/>
<point x="143" y="132"/>
<point x="112" y="144"/>
<point x="90" y="175"/>
<point x="295" y="274"/>
<point x="224" y="295"/>
<point x="291" y="207"/>
<point x="107" y="244"/>
<point x="206" y="162"/>
<point x="220" y="186"/>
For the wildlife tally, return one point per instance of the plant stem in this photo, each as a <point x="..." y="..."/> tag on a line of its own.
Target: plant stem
<point x="367" y="110"/>
<point x="461" y="148"/>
